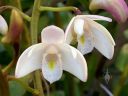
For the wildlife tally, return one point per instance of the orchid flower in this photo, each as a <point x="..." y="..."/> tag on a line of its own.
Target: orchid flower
<point x="118" y="8"/>
<point x="3" y="26"/>
<point x="90" y="34"/>
<point x="53" y="56"/>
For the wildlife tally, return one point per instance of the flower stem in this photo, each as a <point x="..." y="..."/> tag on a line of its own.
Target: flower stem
<point x="17" y="4"/>
<point x="34" y="21"/>
<point x="34" y="33"/>
<point x="70" y="83"/>
<point x="26" y="17"/>
<point x="9" y="66"/>
<point x="4" y="88"/>
<point x="29" y="89"/>
<point x="38" y="82"/>
<point x="58" y="9"/>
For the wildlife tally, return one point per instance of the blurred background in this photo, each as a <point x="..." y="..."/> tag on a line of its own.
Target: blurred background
<point x="103" y="74"/>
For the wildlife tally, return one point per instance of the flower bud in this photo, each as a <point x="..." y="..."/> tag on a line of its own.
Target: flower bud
<point x="118" y="8"/>
<point x="15" y="28"/>
<point x="3" y="26"/>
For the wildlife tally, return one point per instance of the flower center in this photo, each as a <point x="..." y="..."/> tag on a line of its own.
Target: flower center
<point x="52" y="60"/>
<point x="51" y="56"/>
<point x="82" y="39"/>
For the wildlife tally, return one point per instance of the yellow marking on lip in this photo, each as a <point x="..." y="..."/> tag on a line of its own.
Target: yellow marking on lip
<point x="82" y="39"/>
<point x="51" y="64"/>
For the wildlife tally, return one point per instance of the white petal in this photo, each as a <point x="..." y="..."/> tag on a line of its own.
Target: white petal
<point x="79" y="26"/>
<point x="73" y="62"/>
<point x="102" y="29"/>
<point x="98" y="17"/>
<point x="87" y="46"/>
<point x="52" y="72"/>
<point x="3" y="26"/>
<point x="52" y="34"/>
<point x="69" y="31"/>
<point x="94" y="17"/>
<point x="103" y="40"/>
<point x="29" y="61"/>
<point x="85" y="42"/>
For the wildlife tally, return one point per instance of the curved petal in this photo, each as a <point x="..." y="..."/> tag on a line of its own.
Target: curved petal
<point x="52" y="34"/>
<point x="103" y="40"/>
<point x="52" y="67"/>
<point x="73" y="62"/>
<point x="94" y="17"/>
<point x="3" y="26"/>
<point x="69" y="31"/>
<point x="98" y="17"/>
<point x="29" y="61"/>
<point x="102" y="29"/>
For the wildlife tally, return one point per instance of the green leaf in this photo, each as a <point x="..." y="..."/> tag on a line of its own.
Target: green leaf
<point x="126" y="33"/>
<point x="57" y="93"/>
<point x="122" y="59"/>
<point x="16" y="89"/>
<point x="124" y="91"/>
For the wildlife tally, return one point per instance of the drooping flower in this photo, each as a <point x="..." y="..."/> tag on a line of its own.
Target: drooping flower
<point x="118" y="8"/>
<point x="53" y="56"/>
<point x="15" y="28"/>
<point x="3" y="26"/>
<point x="90" y="34"/>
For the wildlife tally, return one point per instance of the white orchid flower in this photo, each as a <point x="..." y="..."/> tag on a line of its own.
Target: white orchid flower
<point x="90" y="34"/>
<point x="53" y="56"/>
<point x="3" y="26"/>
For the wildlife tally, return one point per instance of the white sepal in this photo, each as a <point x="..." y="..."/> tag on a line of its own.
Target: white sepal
<point x="52" y="34"/>
<point x="103" y="40"/>
<point x="30" y="60"/>
<point x="74" y="62"/>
